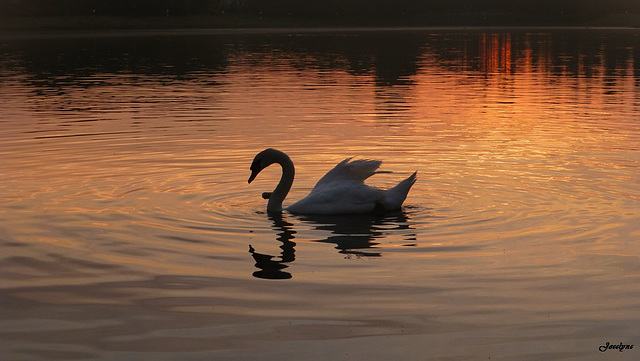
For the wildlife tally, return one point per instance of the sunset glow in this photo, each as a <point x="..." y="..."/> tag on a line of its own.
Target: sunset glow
<point x="129" y="229"/>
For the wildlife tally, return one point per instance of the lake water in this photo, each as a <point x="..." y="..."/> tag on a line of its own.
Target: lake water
<point x="126" y="218"/>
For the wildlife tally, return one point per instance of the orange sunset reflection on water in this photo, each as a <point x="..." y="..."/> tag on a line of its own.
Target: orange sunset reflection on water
<point x="125" y="167"/>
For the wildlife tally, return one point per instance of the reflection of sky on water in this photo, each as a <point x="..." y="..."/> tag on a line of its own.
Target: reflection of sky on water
<point x="125" y="162"/>
<point x="409" y="73"/>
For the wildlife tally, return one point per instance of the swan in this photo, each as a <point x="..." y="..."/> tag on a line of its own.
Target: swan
<point x="340" y="191"/>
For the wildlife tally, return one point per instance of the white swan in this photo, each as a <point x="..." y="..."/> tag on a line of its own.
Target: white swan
<point x="340" y="191"/>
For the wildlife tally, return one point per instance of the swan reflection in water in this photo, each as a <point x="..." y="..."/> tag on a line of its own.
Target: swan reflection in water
<point x="270" y="268"/>
<point x="353" y="235"/>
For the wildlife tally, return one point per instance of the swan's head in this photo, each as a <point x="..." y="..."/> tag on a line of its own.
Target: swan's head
<point x="262" y="160"/>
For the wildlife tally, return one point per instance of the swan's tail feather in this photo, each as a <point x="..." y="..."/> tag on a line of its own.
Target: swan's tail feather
<point x="396" y="195"/>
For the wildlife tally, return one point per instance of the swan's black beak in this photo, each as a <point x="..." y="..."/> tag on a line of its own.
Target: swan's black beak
<point x="255" y="169"/>
<point x="253" y="175"/>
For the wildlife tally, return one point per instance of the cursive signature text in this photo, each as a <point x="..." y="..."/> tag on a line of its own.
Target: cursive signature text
<point x="620" y="347"/>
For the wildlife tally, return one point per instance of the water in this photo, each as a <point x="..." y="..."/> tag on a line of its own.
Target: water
<point x="127" y="220"/>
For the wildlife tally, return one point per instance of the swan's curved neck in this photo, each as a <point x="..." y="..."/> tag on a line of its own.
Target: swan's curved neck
<point x="284" y="186"/>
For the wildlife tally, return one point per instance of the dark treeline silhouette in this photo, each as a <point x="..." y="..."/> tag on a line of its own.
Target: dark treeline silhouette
<point x="106" y="7"/>
<point x="413" y="7"/>
<point x="385" y="11"/>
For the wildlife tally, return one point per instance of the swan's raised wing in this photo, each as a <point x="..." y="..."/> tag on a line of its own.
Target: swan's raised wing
<point x="355" y="171"/>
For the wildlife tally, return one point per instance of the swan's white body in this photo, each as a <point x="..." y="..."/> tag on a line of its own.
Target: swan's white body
<point x="340" y="191"/>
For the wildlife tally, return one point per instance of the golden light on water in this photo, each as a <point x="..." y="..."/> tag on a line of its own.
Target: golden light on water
<point x="127" y="199"/>
<point x="495" y="53"/>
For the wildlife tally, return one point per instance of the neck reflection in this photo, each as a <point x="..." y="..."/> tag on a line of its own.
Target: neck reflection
<point x="268" y="267"/>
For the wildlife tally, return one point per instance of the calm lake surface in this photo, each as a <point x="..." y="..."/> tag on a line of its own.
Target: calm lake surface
<point x="126" y="218"/>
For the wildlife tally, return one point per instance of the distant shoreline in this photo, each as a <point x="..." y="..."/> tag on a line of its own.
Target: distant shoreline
<point x="102" y="33"/>
<point x="231" y="22"/>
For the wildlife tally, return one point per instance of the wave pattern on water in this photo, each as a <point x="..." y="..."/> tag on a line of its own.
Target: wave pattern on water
<point x="129" y="231"/>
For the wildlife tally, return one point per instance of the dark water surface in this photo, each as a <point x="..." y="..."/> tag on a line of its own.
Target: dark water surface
<point x="126" y="219"/>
